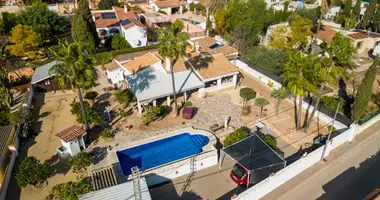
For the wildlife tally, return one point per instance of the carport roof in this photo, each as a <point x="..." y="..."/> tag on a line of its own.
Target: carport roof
<point x="253" y="153"/>
<point x="42" y="73"/>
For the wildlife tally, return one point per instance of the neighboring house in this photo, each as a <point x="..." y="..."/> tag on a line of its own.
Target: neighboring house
<point x="194" y="25"/>
<point x="210" y="46"/>
<point x="120" y="21"/>
<point x="8" y="152"/>
<point x="170" y="7"/>
<point x="43" y="80"/>
<point x="72" y="141"/>
<point x="134" y="3"/>
<point x="203" y="70"/>
<point x="326" y="33"/>
<point x="364" y="42"/>
<point x="155" y="20"/>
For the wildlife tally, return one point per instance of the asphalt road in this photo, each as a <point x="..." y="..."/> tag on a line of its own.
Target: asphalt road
<point x="351" y="176"/>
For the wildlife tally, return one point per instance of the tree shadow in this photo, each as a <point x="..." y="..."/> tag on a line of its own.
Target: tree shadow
<point x="348" y="99"/>
<point x="58" y="165"/>
<point x="354" y="183"/>
<point x="44" y="114"/>
<point x="103" y="97"/>
<point x="98" y="154"/>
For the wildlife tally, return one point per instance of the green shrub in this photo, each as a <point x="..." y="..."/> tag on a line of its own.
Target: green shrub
<point x="234" y="137"/>
<point x="269" y="140"/>
<point x="192" y="6"/>
<point x="32" y="172"/>
<point x="71" y="190"/>
<point x="376" y="98"/>
<point x="187" y="104"/>
<point x="92" y="116"/>
<point x="153" y="113"/>
<point x="102" y="58"/>
<point x="119" y="42"/>
<point x="106" y="134"/>
<point x="162" y="12"/>
<point x="80" y="161"/>
<point x="91" y="95"/>
<point x="331" y="102"/>
<point x="124" y="97"/>
<point x="247" y="93"/>
<point x="267" y="59"/>
<point x="120" y="52"/>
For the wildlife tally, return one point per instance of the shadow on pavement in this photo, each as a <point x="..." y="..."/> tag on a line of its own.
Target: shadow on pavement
<point x="355" y="183"/>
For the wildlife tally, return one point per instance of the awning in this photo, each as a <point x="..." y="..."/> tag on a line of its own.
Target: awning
<point x="41" y="73"/>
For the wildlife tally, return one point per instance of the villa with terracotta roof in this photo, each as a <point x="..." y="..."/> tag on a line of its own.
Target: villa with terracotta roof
<point x="170" y="7"/>
<point x="120" y="21"/>
<point x="149" y="76"/>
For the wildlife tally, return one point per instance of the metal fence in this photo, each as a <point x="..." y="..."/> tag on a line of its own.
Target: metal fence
<point x="368" y="117"/>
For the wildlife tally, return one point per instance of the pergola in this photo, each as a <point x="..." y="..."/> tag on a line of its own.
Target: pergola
<point x="255" y="156"/>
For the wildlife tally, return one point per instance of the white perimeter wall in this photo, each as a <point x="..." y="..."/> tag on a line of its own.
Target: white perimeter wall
<point x="177" y="169"/>
<point x="269" y="184"/>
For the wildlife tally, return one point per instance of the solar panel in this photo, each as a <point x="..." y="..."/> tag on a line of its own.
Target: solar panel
<point x="125" y="22"/>
<point x="108" y="15"/>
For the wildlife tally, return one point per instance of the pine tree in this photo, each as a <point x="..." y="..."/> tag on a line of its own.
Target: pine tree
<point x="83" y="27"/>
<point x="369" y="14"/>
<point x="363" y="96"/>
<point x="376" y="20"/>
<point x="356" y="10"/>
<point x="347" y="8"/>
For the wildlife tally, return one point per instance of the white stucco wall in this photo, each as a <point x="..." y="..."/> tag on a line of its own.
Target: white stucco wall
<point x="72" y="146"/>
<point x="115" y="75"/>
<point x="135" y="34"/>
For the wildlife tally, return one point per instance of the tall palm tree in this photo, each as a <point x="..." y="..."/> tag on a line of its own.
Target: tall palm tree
<point x="337" y="59"/>
<point x="300" y="77"/>
<point x="173" y="43"/>
<point x="76" y="68"/>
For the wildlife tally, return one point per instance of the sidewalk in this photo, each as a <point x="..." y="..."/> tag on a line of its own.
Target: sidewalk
<point x="321" y="168"/>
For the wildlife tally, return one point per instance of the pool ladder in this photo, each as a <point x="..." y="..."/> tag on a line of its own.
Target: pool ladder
<point x="193" y="166"/>
<point x="136" y="182"/>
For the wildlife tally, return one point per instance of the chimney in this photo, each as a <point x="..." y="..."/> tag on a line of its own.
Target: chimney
<point x="197" y="47"/>
<point x="126" y="6"/>
<point x="167" y="64"/>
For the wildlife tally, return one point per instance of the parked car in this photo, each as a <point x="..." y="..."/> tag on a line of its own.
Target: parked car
<point x="239" y="175"/>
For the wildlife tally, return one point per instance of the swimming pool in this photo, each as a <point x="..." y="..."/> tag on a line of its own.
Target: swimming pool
<point x="191" y="21"/>
<point x="156" y="153"/>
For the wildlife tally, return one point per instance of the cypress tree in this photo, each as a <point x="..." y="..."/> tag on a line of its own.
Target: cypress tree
<point x="356" y="10"/>
<point x="369" y="13"/>
<point x="347" y="8"/>
<point x="376" y="20"/>
<point x="363" y="96"/>
<point x="83" y="27"/>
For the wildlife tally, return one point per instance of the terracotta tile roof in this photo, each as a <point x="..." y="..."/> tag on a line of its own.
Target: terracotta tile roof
<point x="326" y="33"/>
<point x="212" y="66"/>
<point x="104" y="23"/>
<point x="130" y="56"/>
<point x="112" y="65"/>
<point x="206" y="42"/>
<point x="180" y="65"/>
<point x="121" y="15"/>
<point x="71" y="133"/>
<point x="361" y="35"/>
<point x="168" y="3"/>
<point x="141" y="62"/>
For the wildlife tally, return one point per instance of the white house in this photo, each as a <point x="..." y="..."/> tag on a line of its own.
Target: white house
<point x="120" y="21"/>
<point x="72" y="141"/>
<point x="170" y="7"/>
<point x="206" y="68"/>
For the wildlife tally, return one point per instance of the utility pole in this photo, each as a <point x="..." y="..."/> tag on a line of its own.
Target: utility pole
<point x="330" y="130"/>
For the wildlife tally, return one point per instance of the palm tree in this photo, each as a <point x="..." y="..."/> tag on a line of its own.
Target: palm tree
<point x="173" y="43"/>
<point x="76" y="68"/>
<point x="279" y="94"/>
<point x="337" y="59"/>
<point x="300" y="77"/>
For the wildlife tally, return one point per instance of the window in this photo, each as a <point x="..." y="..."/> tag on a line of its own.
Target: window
<point x="359" y="45"/>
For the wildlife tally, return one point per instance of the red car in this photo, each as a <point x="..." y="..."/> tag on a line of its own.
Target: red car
<point x="239" y="175"/>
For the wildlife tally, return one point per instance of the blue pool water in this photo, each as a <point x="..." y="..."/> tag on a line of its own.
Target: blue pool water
<point x="160" y="152"/>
